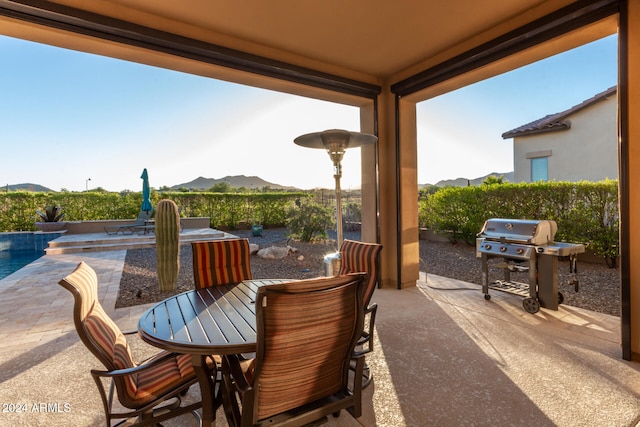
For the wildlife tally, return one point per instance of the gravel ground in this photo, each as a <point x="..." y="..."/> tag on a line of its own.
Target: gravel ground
<point x="598" y="284"/>
<point x="139" y="280"/>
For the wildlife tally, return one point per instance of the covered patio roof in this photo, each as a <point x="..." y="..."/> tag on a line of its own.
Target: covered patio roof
<point x="356" y="47"/>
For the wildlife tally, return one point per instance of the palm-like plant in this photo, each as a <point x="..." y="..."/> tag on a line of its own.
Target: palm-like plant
<point x="51" y="214"/>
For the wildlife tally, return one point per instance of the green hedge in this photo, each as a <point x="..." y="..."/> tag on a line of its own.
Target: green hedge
<point x="18" y="208"/>
<point x="586" y="212"/>
<point x="230" y="209"/>
<point x="226" y="210"/>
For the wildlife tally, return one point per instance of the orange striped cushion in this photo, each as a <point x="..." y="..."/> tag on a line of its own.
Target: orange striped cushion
<point x="152" y="382"/>
<point x="359" y="257"/>
<point x="305" y="338"/>
<point x="106" y="335"/>
<point x="220" y="262"/>
<point x="146" y="385"/>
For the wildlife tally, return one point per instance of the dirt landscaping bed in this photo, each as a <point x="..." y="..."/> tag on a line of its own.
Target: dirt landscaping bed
<point x="599" y="288"/>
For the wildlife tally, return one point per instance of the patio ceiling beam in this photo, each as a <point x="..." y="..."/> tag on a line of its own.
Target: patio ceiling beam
<point x="563" y="21"/>
<point x="103" y="27"/>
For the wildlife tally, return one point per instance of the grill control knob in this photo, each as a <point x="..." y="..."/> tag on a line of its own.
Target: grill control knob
<point x="503" y="249"/>
<point x="487" y="247"/>
<point x="540" y="250"/>
<point x="520" y="251"/>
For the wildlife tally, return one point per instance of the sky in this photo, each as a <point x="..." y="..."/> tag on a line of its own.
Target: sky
<point x="459" y="133"/>
<point x="77" y="121"/>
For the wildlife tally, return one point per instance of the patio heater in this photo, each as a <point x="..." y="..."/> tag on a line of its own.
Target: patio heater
<point x="335" y="141"/>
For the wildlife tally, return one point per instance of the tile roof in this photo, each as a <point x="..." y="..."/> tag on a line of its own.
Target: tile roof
<point x="557" y="121"/>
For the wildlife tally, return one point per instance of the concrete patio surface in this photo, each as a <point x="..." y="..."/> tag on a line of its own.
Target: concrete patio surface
<point x="444" y="356"/>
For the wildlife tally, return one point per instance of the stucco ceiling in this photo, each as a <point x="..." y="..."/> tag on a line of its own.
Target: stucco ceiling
<point x="371" y="42"/>
<point x="374" y="37"/>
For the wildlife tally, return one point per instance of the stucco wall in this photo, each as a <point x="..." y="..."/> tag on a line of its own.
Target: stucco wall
<point x="586" y="151"/>
<point x="82" y="227"/>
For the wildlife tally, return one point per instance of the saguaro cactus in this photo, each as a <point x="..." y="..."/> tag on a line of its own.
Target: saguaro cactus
<point x="167" y="229"/>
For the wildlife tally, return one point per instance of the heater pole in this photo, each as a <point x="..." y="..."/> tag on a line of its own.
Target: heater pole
<point x="338" y="174"/>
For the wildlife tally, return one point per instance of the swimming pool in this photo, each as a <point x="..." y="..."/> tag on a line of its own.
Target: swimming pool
<point x="21" y="248"/>
<point x="14" y="261"/>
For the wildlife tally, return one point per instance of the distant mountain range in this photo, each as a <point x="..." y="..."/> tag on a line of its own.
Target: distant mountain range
<point x="463" y="182"/>
<point x="248" y="182"/>
<point x="254" y="182"/>
<point x="27" y="187"/>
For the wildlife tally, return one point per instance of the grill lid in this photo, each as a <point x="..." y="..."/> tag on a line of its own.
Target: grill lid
<point x="526" y="231"/>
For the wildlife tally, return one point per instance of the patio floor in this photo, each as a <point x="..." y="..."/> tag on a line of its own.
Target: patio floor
<point x="444" y="357"/>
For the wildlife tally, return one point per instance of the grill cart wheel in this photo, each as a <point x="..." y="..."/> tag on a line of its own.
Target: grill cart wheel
<point x="487" y="297"/>
<point x="530" y="305"/>
<point x="560" y="298"/>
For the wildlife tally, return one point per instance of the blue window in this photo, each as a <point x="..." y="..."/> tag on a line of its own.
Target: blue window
<point x="539" y="169"/>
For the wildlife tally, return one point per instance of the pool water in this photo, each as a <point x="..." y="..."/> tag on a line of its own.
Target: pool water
<point x="19" y="248"/>
<point x="13" y="261"/>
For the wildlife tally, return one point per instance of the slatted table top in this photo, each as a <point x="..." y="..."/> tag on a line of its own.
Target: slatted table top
<point x="214" y="320"/>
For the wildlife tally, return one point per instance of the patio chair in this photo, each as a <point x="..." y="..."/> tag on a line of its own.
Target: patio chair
<point x="306" y="334"/>
<point x="358" y="257"/>
<point x="218" y="262"/>
<point x="140" y="223"/>
<point x="150" y="391"/>
<point x="149" y="225"/>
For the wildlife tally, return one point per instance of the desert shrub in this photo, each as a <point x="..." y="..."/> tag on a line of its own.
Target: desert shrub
<point x="450" y="211"/>
<point x="308" y="220"/>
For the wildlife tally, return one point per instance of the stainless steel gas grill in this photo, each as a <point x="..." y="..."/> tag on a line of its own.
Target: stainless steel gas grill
<point x="526" y="246"/>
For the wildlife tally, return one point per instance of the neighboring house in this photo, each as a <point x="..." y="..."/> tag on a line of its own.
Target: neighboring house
<point x="577" y="144"/>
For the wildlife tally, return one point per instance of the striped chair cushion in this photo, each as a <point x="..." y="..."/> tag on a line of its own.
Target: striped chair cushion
<point x="106" y="335"/>
<point x="220" y="262"/>
<point x="114" y="351"/>
<point x="359" y="257"/>
<point x="153" y="382"/>
<point x="103" y="337"/>
<point x="307" y="336"/>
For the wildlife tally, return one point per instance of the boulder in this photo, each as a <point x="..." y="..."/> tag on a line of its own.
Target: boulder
<point x="275" y="252"/>
<point x="253" y="248"/>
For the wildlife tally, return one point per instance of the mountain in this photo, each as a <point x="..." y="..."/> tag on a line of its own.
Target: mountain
<point x="249" y="182"/>
<point x="27" y="187"/>
<point x="463" y="182"/>
<point x="254" y="182"/>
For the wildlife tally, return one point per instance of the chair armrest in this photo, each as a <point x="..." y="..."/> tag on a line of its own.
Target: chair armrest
<point x="371" y="309"/>
<point x="162" y="357"/>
